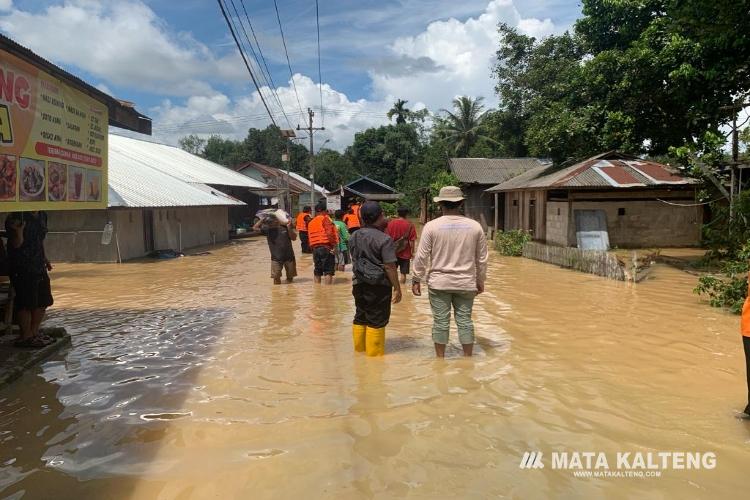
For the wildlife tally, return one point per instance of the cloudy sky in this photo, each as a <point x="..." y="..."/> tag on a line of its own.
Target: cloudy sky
<point x="178" y="63"/>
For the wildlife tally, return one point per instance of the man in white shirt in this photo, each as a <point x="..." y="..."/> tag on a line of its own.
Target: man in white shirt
<point x="455" y="249"/>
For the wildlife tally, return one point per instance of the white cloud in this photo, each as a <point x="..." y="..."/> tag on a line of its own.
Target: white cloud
<point x="448" y="58"/>
<point x="216" y="113"/>
<point x="464" y="52"/>
<point x="124" y="43"/>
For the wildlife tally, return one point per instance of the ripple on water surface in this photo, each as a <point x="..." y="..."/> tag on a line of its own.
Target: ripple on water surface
<point x="193" y="375"/>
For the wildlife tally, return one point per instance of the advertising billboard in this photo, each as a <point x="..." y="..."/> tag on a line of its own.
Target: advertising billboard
<point x="53" y="142"/>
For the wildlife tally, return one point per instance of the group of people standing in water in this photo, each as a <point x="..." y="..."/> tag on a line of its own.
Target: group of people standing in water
<point x="450" y="260"/>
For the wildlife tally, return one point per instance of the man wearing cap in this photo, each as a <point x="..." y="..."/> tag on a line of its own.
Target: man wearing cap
<point x="374" y="282"/>
<point x="279" y="233"/>
<point x="455" y="249"/>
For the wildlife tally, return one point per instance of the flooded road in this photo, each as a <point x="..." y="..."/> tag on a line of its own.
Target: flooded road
<point x="195" y="378"/>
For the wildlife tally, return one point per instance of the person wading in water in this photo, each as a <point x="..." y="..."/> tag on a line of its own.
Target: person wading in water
<point x="303" y="219"/>
<point x="455" y="248"/>
<point x="324" y="241"/>
<point x="745" y="329"/>
<point x="351" y="218"/>
<point x="404" y="234"/>
<point x="279" y="233"/>
<point x="375" y="282"/>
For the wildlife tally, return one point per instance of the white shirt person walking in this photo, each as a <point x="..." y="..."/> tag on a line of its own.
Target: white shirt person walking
<point x="452" y="260"/>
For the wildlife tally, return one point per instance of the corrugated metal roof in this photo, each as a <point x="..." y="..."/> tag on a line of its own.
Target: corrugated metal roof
<point x="610" y="169"/>
<point x="278" y="176"/>
<point x="137" y="183"/>
<point x="178" y="163"/>
<point x="306" y="181"/>
<point x="491" y="170"/>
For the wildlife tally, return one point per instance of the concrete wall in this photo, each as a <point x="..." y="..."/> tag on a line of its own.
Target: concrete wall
<point x="75" y="236"/>
<point x="557" y="223"/>
<point x="646" y="223"/>
<point x="518" y="209"/>
<point x="196" y="226"/>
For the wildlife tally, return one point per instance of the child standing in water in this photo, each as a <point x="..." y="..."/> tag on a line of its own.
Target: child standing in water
<point x="745" y="329"/>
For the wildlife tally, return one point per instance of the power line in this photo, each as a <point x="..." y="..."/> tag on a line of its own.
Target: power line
<point x="247" y="65"/>
<point x="344" y="113"/>
<point x="252" y="48"/>
<point x="320" y="78"/>
<point x="269" y="77"/>
<point x="286" y="52"/>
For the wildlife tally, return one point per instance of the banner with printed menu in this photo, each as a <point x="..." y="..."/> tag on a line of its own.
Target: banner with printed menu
<point x="53" y="142"/>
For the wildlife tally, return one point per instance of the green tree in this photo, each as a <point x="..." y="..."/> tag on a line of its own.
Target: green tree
<point x="385" y="153"/>
<point x="261" y="146"/>
<point x="462" y="127"/>
<point x="333" y="169"/>
<point x="193" y="144"/>
<point x="222" y="151"/>
<point x="635" y="75"/>
<point x="400" y="111"/>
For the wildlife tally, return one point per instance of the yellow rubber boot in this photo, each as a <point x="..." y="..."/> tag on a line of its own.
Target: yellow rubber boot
<point x="358" y="335"/>
<point x="375" y="341"/>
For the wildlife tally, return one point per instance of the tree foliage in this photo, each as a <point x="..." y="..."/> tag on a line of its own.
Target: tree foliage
<point x="193" y="144"/>
<point x="261" y="146"/>
<point x="635" y="75"/>
<point x="333" y="169"/>
<point x="385" y="153"/>
<point x="400" y="111"/>
<point x="462" y="127"/>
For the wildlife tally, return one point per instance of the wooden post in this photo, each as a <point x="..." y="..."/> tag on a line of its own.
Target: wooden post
<point x="497" y="213"/>
<point x="423" y="208"/>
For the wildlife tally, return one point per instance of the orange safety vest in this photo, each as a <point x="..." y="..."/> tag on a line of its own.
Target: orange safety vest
<point x="317" y="233"/>
<point x="301" y="223"/>
<point x="745" y="322"/>
<point x="352" y="220"/>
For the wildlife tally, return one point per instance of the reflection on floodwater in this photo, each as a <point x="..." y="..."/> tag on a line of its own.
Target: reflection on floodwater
<point x="196" y="378"/>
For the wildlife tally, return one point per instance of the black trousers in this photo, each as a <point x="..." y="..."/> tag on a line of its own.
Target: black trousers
<point x="373" y="304"/>
<point x="746" y="345"/>
<point x="305" y="241"/>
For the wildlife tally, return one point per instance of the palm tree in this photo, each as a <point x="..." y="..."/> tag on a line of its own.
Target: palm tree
<point x="400" y="111"/>
<point x="462" y="127"/>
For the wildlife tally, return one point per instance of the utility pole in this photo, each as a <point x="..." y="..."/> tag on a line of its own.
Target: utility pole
<point x="310" y="129"/>
<point x="288" y="135"/>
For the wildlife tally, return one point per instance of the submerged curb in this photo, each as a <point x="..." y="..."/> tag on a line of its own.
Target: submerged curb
<point x="15" y="362"/>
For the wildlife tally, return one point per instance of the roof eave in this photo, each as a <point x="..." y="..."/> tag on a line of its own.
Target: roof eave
<point x="122" y="115"/>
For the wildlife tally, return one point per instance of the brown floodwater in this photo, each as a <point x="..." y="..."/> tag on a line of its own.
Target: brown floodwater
<point x="196" y="378"/>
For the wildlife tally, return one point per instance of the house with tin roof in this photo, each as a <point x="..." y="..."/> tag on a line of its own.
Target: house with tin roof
<point x="608" y="200"/>
<point x="279" y="182"/>
<point x="160" y="197"/>
<point x="476" y="175"/>
<point x="370" y="189"/>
